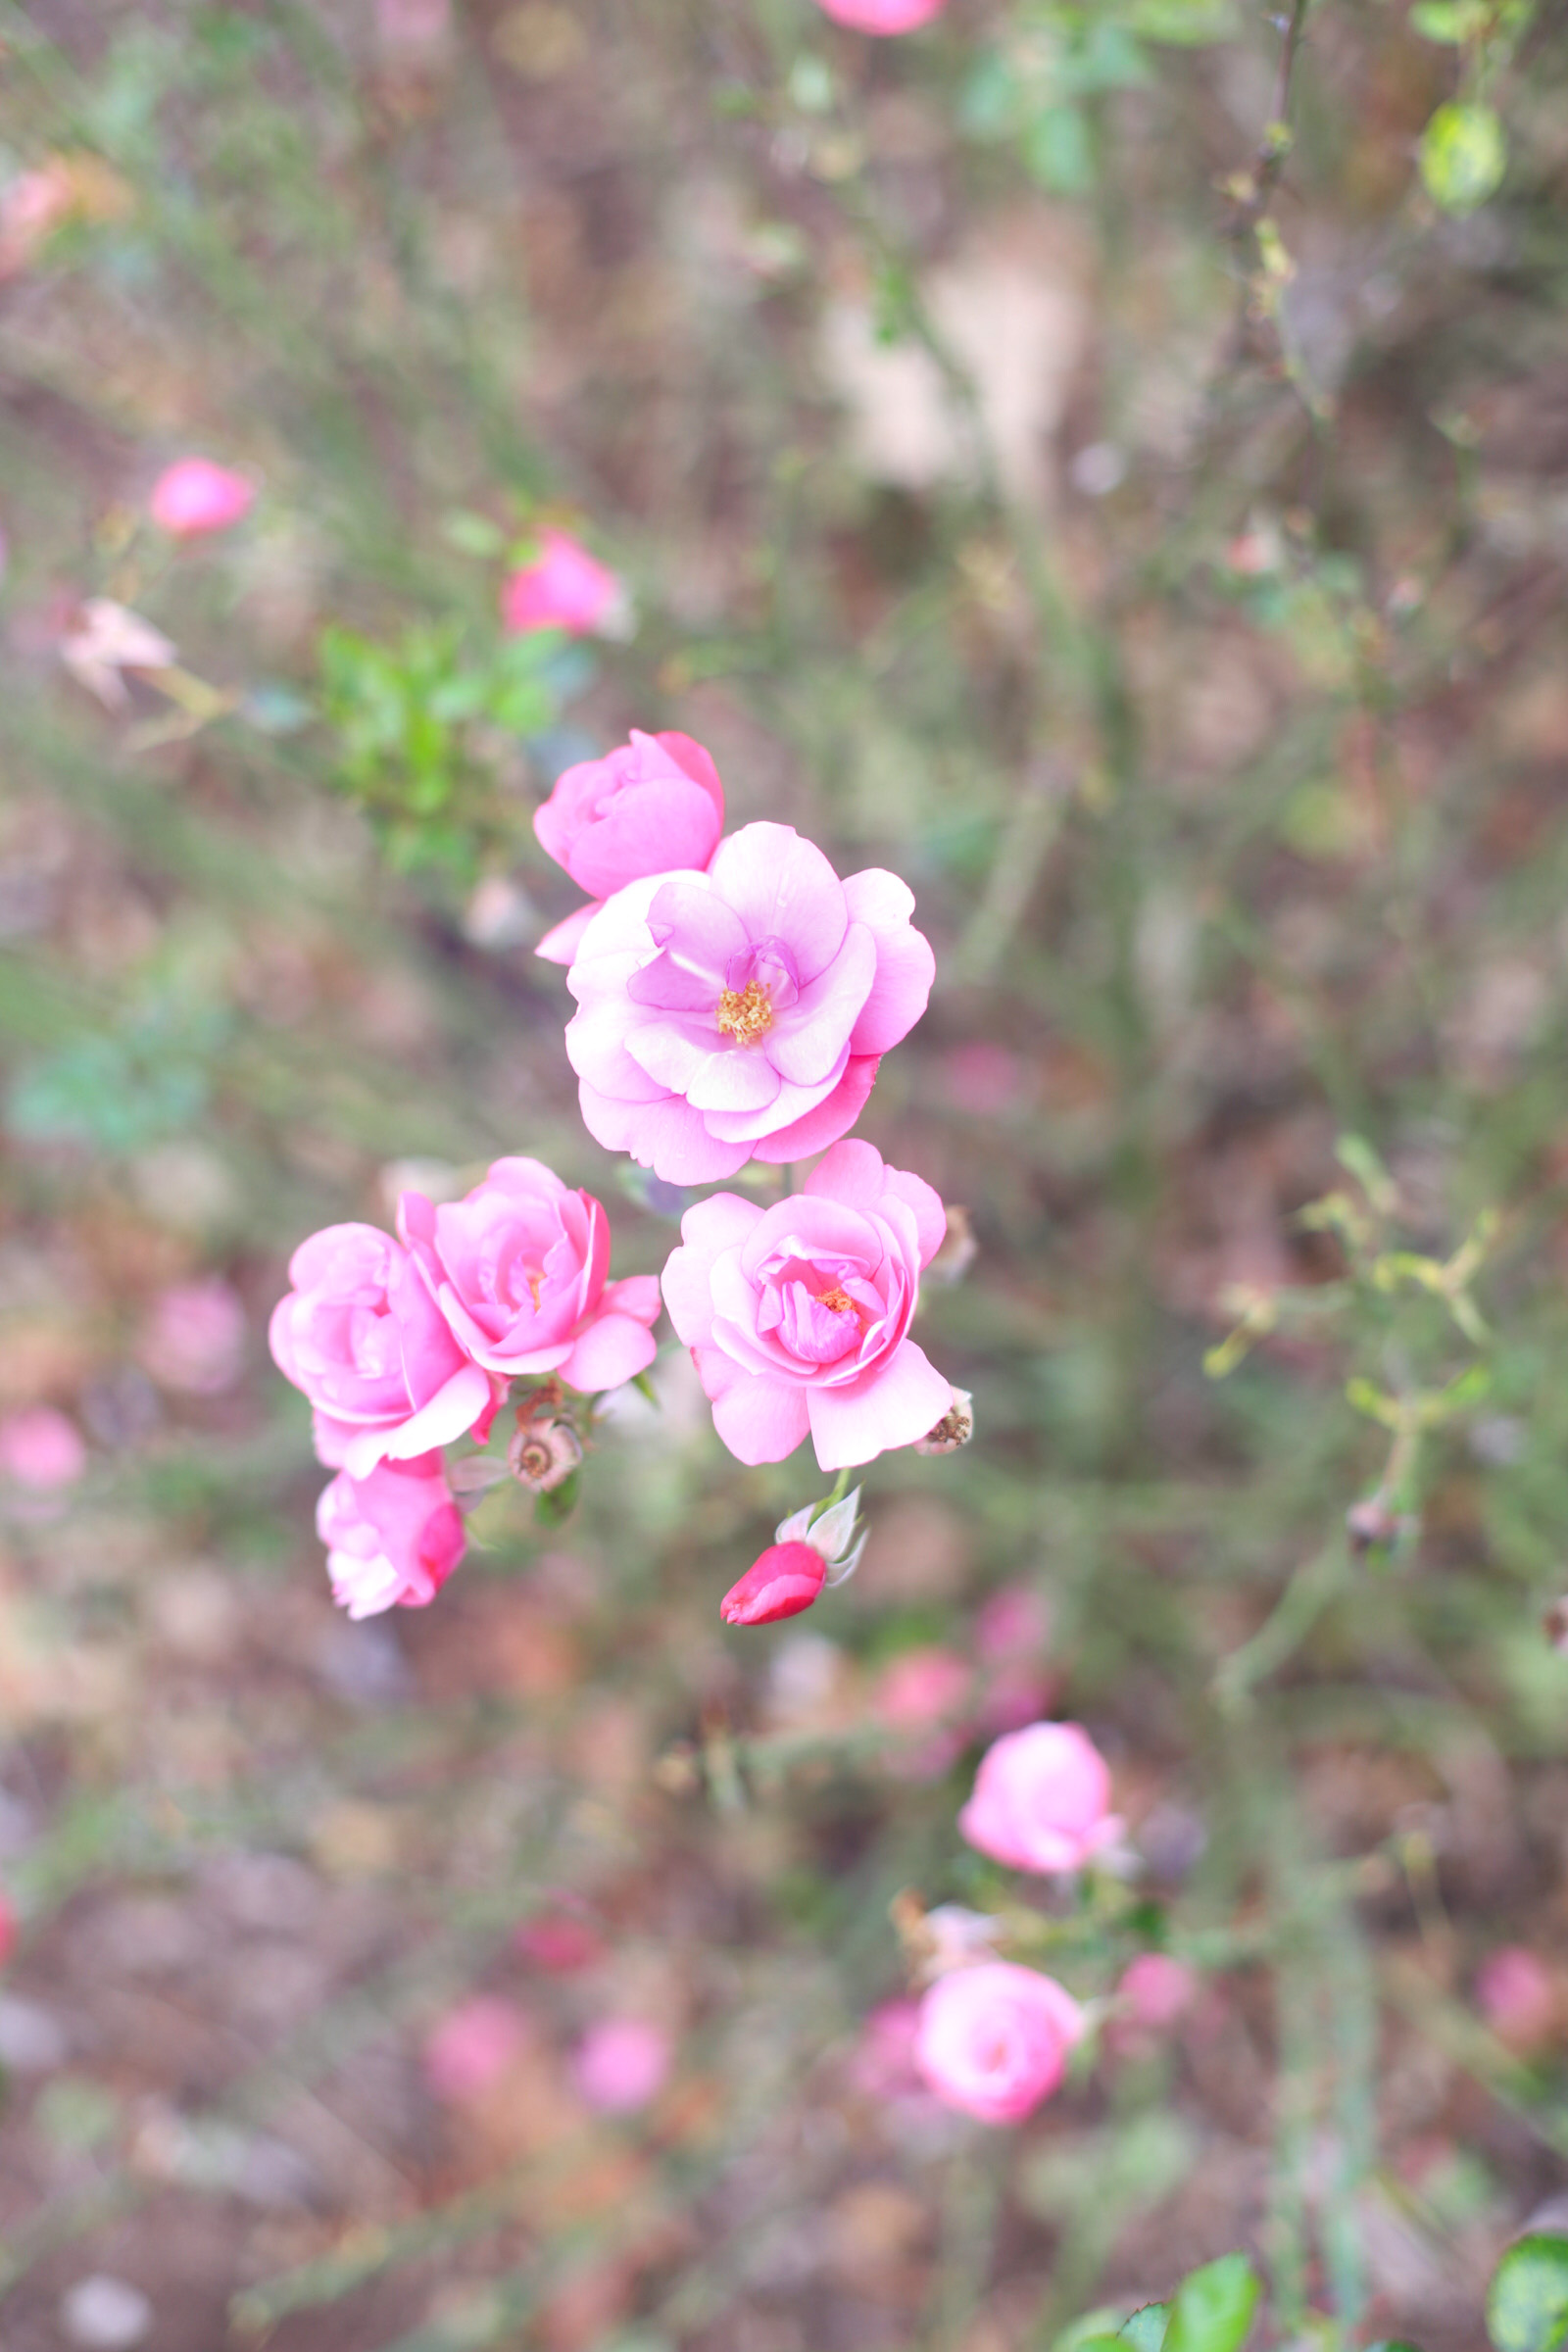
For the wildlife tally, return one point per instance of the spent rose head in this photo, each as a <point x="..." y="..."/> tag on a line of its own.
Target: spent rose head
<point x="797" y="1317"/>
<point x="651" y="807"/>
<point x="741" y="1013"/>
<point x="519" y="1268"/>
<point x="392" y="1538"/>
<point x="193" y="496"/>
<point x="562" y="587"/>
<point x="993" y="2041"/>
<point x="1042" y="1800"/>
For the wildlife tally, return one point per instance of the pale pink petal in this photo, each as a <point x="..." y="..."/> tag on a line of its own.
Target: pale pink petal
<point x="450" y="1413"/>
<point x="826" y="1122"/>
<point x="620" y="925"/>
<point x="608" y="1353"/>
<point x="634" y="1294"/>
<point x="904" y="1397"/>
<point x="561" y="945"/>
<point x="807" y="1042"/>
<point x="783" y="888"/>
<point x="598" y="1039"/>
<point x="925" y="1205"/>
<point x="761" y="1420"/>
<point x="736" y="1081"/>
<point x="852" y="1173"/>
<point x="905" y="965"/>
<point x="790" y="1105"/>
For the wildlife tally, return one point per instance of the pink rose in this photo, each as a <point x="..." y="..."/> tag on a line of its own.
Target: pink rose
<point x="1517" y="1996"/>
<point x="40" y="1449"/>
<point x="620" y="2064"/>
<point x="363" y="1337"/>
<point x="1041" y="1799"/>
<point x="993" y="2040"/>
<point x="564" y="587"/>
<point x="195" y="1337"/>
<point x="392" y="1538"/>
<point x="797" y="1317"/>
<point x="470" y="2049"/>
<point x="1156" y="1990"/>
<point x="654" y="805"/>
<point x="741" y="1013"/>
<point x="883" y="2065"/>
<point x="517" y="1270"/>
<point x="193" y="496"/>
<point x="923" y="1690"/>
<point x="882" y="16"/>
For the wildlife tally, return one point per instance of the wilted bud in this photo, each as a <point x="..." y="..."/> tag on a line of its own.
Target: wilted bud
<point x="955" y="1429"/>
<point x="1371" y="1524"/>
<point x="782" y="1581"/>
<point x="543" y="1454"/>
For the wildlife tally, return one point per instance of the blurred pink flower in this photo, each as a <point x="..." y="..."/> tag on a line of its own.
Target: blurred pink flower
<point x="413" y="26"/>
<point x="106" y="641"/>
<point x="882" y="16"/>
<point x="780" y="1581"/>
<point x="472" y="2047"/>
<point x="797" y="1317"/>
<point x="741" y="1013"/>
<point x="993" y="2040"/>
<point x="194" y="496"/>
<point x="361" y="1334"/>
<point x="1041" y="1799"/>
<point x="883" y="2065"/>
<point x="41" y="1449"/>
<point x="1013" y="1695"/>
<point x="982" y="1078"/>
<point x="1012" y="1622"/>
<point x="921" y="1688"/>
<point x="564" y="587"/>
<point x="1517" y="1996"/>
<point x="650" y="807"/>
<point x="392" y="1538"/>
<point x="621" y="2063"/>
<point x="8" y="1930"/>
<point x="558" y="1941"/>
<point x="517" y="1270"/>
<point x="1156" y="1990"/>
<point x="195" y="1337"/>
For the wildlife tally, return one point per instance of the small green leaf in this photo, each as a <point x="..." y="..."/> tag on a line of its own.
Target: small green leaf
<point x="1212" y="2308"/>
<point x="1146" y="2329"/>
<point x="1057" y="151"/>
<point x="473" y="534"/>
<point x="1464" y="156"/>
<point x="1527" y="2302"/>
<point x="1449" y="20"/>
<point x="556" y="1507"/>
<point x="1394" y="2344"/>
<point x="988" y="103"/>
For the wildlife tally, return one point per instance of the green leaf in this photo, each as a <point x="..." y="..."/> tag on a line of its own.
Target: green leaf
<point x="1212" y="2308"/>
<point x="1527" y="2302"/>
<point x="988" y="103"/>
<point x="473" y="534"/>
<point x="1464" y="156"/>
<point x="1145" y="2331"/>
<point x="1185" y="24"/>
<point x="1449" y="20"/>
<point x="556" y="1507"/>
<point x="1394" y="2344"/>
<point x="1057" y="151"/>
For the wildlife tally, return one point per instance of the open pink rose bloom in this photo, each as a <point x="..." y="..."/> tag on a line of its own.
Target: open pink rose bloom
<point x="1042" y="1800"/>
<point x="993" y="2040"/>
<point x="194" y="496"/>
<point x="741" y="1013"/>
<point x="517" y="1272"/>
<point x="797" y="1317"/>
<point x="882" y="16"/>
<point x="360" y="1333"/>
<point x="392" y="1538"/>
<point x="655" y="804"/>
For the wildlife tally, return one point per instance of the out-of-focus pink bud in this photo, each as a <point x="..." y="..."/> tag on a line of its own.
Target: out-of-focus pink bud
<point x="883" y="2065"/>
<point x="1042" y="1800"/>
<point x="921" y="1688"/>
<point x="781" y="1581"/>
<point x="1014" y="1621"/>
<point x="882" y="16"/>
<point x="620" y="2064"/>
<point x="564" y="587"/>
<point x="194" y="496"/>
<point x="471" y="2047"/>
<point x="8" y="1931"/>
<point x="1516" y="1995"/>
<point x="1014" y="1695"/>
<point x="41" y="1449"/>
<point x="195" y="1338"/>
<point x="982" y="1078"/>
<point x="1156" y="1990"/>
<point x="993" y="2040"/>
<point x="559" y="1943"/>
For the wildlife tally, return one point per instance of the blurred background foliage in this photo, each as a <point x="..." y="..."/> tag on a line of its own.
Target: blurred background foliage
<point x="1144" y="527"/>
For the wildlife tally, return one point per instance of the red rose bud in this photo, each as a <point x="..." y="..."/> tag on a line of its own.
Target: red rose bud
<point x="786" y="1579"/>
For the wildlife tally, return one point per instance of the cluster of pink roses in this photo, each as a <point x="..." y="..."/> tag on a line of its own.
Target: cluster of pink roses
<point x="735" y="998"/>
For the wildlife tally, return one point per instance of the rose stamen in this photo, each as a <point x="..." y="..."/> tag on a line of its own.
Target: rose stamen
<point x="837" y="1301"/>
<point x="746" y="1013"/>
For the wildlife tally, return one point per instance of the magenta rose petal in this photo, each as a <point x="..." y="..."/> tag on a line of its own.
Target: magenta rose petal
<point x="906" y="966"/>
<point x="907" y="1397"/>
<point x="823" y="1124"/>
<point x="610" y="1352"/>
<point x="761" y="1420"/>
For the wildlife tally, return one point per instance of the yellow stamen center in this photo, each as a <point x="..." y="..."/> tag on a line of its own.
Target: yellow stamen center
<point x="837" y="1301"/>
<point x="746" y="1013"/>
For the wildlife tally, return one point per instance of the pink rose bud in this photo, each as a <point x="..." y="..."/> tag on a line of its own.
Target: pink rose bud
<point x="620" y="2064"/>
<point x="471" y="2047"/>
<point x="195" y="1338"/>
<point x="564" y="587"/>
<point x="797" y="1317"/>
<point x="41" y="1449"/>
<point x="781" y="1581"/>
<point x="1156" y="1990"/>
<point x="1014" y="1621"/>
<point x="559" y="1943"/>
<point x="360" y="1333"/>
<point x="921" y="1687"/>
<point x="882" y="16"/>
<point x="741" y="1013"/>
<point x="993" y="2040"/>
<point x="518" y="1269"/>
<point x="392" y="1538"/>
<point x="653" y="806"/>
<point x="1517" y="1996"/>
<point x="883" y="2066"/>
<point x="1041" y="1801"/>
<point x="194" y="496"/>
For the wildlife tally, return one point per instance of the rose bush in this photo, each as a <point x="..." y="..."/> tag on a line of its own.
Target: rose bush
<point x="392" y="1538"/>
<point x="654" y="805"/>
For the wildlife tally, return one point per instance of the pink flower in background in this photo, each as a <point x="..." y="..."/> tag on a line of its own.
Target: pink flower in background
<point x="653" y="805"/>
<point x="41" y="1449"/>
<point x="361" y="1334"/>
<point x="564" y="587"/>
<point x="882" y="16"/>
<point x="558" y="1942"/>
<point x="195" y="1337"/>
<point x="883" y="2066"/>
<point x="471" y="2047"/>
<point x="983" y="1078"/>
<point x="620" y="2064"/>
<point x="518" y="1269"/>
<point x="8" y="1931"/>
<point x="781" y="1581"/>
<point x="194" y="496"/>
<point x="1012" y="1621"/>
<point x="797" y="1315"/>
<point x="741" y="1013"/>
<point x="392" y="1538"/>
<point x="1517" y="1996"/>
<point x="1156" y="1990"/>
<point x="920" y="1688"/>
<point x="993" y="2040"/>
<point x="1041" y="1801"/>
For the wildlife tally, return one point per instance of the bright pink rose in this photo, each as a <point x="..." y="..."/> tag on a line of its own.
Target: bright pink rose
<point x="517" y="1270"/>
<point x="797" y="1317"/>
<point x="620" y="2064"/>
<point x="564" y="587"/>
<point x="741" y="1013"/>
<point x="392" y="1538"/>
<point x="781" y="1581"/>
<point x="993" y="2040"/>
<point x="361" y="1334"/>
<point x="1041" y="1799"/>
<point x="193" y="496"/>
<point x="654" y="805"/>
<point x="882" y="16"/>
<point x="195" y="1337"/>
<point x="40" y="1449"/>
<point x="471" y="2047"/>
